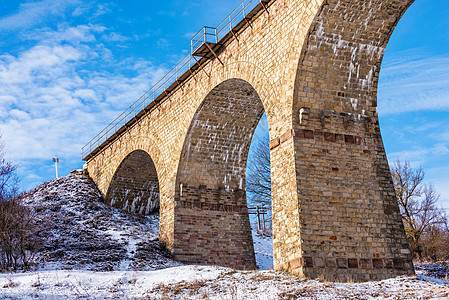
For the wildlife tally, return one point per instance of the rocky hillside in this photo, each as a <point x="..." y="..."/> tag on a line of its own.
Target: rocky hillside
<point x="78" y="231"/>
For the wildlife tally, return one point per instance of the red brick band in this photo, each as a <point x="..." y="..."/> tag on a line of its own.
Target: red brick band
<point x="204" y="206"/>
<point x="356" y="263"/>
<point x="202" y="198"/>
<point x="323" y="136"/>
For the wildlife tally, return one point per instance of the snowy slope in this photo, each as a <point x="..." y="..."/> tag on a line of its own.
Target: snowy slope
<point x="80" y="232"/>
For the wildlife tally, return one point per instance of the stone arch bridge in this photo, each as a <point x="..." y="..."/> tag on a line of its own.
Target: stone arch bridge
<point x="312" y="66"/>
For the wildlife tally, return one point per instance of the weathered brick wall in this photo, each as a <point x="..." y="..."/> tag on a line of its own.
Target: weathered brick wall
<point x="135" y="186"/>
<point x="212" y="227"/>
<point x="350" y="223"/>
<point x="210" y="213"/>
<point x="334" y="212"/>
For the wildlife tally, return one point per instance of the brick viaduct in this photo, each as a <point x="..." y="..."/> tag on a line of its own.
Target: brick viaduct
<point x="312" y="66"/>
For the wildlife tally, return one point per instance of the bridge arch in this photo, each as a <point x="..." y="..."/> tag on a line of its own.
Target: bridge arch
<point x="266" y="88"/>
<point x="135" y="185"/>
<point x="211" y="217"/>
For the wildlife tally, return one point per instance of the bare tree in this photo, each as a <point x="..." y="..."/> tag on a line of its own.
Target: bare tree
<point x="417" y="203"/>
<point x="8" y="180"/>
<point x="258" y="175"/>
<point x="17" y="226"/>
<point x="435" y="243"/>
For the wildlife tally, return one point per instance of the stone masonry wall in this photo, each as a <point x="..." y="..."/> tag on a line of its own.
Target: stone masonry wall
<point x="350" y="222"/>
<point x="212" y="227"/>
<point x="211" y="179"/>
<point x="135" y="186"/>
<point x="334" y="212"/>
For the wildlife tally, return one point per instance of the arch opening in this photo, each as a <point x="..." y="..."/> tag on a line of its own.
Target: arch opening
<point x="211" y="223"/>
<point x="258" y="195"/>
<point x="135" y="186"/>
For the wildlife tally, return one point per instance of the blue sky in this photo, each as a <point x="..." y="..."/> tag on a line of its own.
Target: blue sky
<point x="69" y="67"/>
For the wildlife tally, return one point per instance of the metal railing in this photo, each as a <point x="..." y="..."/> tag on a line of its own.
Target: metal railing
<point x="206" y="34"/>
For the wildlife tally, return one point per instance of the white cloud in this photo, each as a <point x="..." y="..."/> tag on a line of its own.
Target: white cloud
<point x="32" y="13"/>
<point x="85" y="94"/>
<point x="115" y="37"/>
<point x="414" y="82"/>
<point x="442" y="133"/>
<point x="54" y="97"/>
<point x="420" y="155"/>
<point x="415" y="156"/>
<point x="189" y="35"/>
<point x="163" y="43"/>
<point x="65" y="33"/>
<point x="40" y="63"/>
<point x="7" y="100"/>
<point x="19" y="115"/>
<point x="102" y="9"/>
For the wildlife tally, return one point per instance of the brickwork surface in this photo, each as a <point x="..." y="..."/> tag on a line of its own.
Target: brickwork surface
<point x="313" y="67"/>
<point x="135" y="186"/>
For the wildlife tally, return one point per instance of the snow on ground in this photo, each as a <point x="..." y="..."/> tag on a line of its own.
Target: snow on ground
<point x="437" y="270"/>
<point x="263" y="249"/>
<point x="205" y="282"/>
<point x="93" y="251"/>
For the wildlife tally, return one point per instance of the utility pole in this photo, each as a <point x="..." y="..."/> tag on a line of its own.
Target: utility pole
<point x="263" y="219"/>
<point x="258" y="218"/>
<point x="56" y="160"/>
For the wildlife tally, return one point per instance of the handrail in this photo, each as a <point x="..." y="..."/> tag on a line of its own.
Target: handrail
<point x="196" y="42"/>
<point x="203" y="36"/>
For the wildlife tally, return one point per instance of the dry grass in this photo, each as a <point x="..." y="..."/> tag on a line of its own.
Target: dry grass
<point x="10" y="284"/>
<point x="167" y="291"/>
<point x="303" y="292"/>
